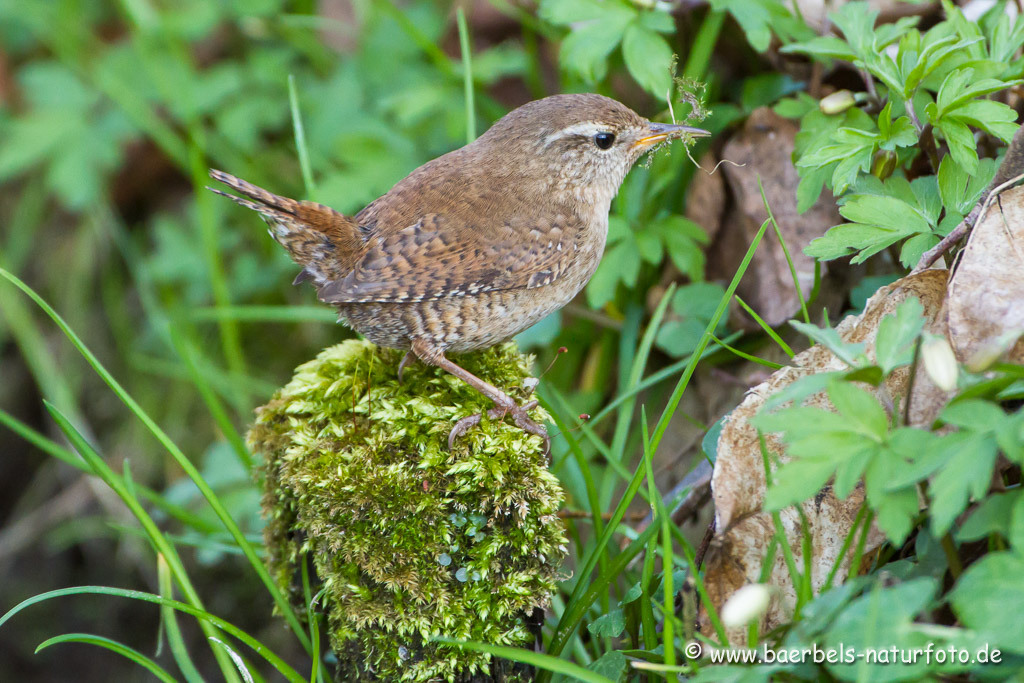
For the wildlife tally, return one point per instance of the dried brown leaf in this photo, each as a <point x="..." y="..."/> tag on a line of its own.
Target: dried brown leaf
<point x="764" y="149"/>
<point x="986" y="294"/>
<point x="738" y="483"/>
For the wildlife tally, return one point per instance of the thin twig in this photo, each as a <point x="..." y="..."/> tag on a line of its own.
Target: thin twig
<point x="927" y="137"/>
<point x="699" y="483"/>
<point x="976" y="215"/>
<point x="705" y="543"/>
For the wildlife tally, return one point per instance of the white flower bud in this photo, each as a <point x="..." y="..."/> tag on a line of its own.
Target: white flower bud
<point x="940" y="363"/>
<point x="745" y="605"/>
<point x="837" y="102"/>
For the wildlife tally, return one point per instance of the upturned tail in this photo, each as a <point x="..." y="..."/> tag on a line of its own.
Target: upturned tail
<point x="321" y="240"/>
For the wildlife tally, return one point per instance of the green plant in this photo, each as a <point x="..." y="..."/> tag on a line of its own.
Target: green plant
<point x="922" y="89"/>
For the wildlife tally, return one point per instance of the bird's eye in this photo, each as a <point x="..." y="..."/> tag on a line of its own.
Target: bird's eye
<point x="604" y="140"/>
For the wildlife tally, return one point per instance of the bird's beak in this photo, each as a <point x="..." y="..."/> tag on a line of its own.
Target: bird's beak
<point x="656" y="132"/>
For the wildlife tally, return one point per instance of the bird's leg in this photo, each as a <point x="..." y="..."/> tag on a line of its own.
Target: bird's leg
<point x="406" y="359"/>
<point x="504" y="404"/>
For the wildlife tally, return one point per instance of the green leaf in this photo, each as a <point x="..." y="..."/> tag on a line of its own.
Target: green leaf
<point x="994" y="118"/>
<point x="895" y="512"/>
<point x="608" y="625"/>
<point x="898" y="133"/>
<point x="764" y="89"/>
<point x="989" y="598"/>
<point x="974" y="415"/>
<point x="860" y="408"/>
<point x="897" y="333"/>
<point x="797" y="481"/>
<point x="795" y="107"/>
<point x="695" y="304"/>
<point x="824" y="46"/>
<point x="961" y="143"/>
<point x="585" y="50"/>
<point x="966" y="474"/>
<point x="755" y="17"/>
<point x="851" y="353"/>
<point x="960" y="191"/>
<point x="914" y="248"/>
<point x="648" y="58"/>
<point x="566" y="12"/>
<point x="621" y="263"/>
<point x="992" y="516"/>
<point x="960" y="87"/>
<point x="880" y="620"/>
<point x="885" y="212"/>
<point x="856" y="21"/>
<point x="611" y="665"/>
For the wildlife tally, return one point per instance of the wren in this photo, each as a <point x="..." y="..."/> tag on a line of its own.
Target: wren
<point x="477" y="245"/>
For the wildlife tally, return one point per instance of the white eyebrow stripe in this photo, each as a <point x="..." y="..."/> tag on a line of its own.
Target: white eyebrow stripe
<point x="586" y="128"/>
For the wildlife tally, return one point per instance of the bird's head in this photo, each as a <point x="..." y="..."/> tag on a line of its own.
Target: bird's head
<point x="577" y="146"/>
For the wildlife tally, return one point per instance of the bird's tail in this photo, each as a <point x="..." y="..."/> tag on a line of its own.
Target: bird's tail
<point x="323" y="241"/>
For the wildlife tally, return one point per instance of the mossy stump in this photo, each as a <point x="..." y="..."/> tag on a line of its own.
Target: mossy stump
<point x="408" y="541"/>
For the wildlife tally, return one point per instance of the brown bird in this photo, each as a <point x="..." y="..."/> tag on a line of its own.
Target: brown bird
<point x="477" y="245"/>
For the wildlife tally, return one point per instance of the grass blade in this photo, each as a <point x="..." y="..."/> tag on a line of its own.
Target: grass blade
<point x="785" y="250"/>
<point x="227" y="627"/>
<point x="170" y="623"/>
<point x="156" y="538"/>
<point x="114" y="646"/>
<point x="723" y="304"/>
<point x="300" y="139"/>
<point x="546" y="663"/>
<point x="766" y="327"/>
<point x="467" y="74"/>
<point x="179" y="457"/>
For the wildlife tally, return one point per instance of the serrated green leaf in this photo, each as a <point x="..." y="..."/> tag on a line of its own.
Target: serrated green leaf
<point x="852" y="238"/>
<point x="885" y="212"/>
<point x="860" y="408"/>
<point x="961" y="143"/>
<point x="994" y="118"/>
<point x="824" y="46"/>
<point x="966" y="474"/>
<point x="897" y="334"/>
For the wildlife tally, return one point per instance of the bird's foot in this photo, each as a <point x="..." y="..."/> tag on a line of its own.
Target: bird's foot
<point x="406" y="359"/>
<point x="519" y="416"/>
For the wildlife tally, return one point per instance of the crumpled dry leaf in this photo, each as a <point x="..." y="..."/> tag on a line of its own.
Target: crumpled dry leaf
<point x="744" y="532"/>
<point x="764" y="149"/>
<point x="986" y="294"/>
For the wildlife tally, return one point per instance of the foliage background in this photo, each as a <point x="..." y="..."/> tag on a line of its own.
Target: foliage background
<point x="111" y="112"/>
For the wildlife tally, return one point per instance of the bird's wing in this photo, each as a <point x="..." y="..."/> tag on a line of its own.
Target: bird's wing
<point x="427" y="261"/>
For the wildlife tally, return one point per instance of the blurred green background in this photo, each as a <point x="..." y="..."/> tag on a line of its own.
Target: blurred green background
<point x="110" y="114"/>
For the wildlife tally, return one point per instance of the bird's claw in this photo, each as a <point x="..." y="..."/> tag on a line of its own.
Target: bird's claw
<point x="519" y="416"/>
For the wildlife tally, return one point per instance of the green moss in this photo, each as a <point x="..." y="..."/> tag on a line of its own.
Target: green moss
<point x="409" y="541"/>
